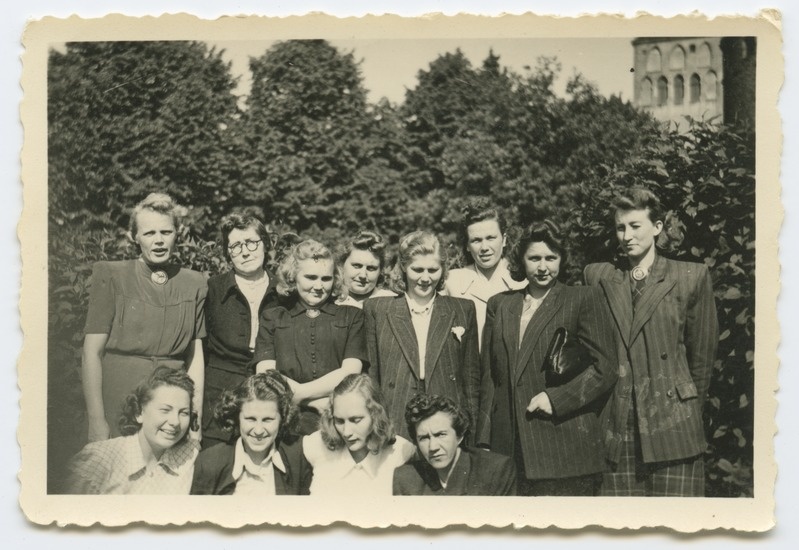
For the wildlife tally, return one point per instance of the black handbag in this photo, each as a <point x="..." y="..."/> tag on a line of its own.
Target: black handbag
<point x="566" y="358"/>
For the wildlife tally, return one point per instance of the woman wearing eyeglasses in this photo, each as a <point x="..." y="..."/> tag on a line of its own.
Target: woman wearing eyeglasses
<point x="234" y="304"/>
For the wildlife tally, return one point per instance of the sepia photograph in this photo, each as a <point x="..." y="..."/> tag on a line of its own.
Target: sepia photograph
<point x="355" y="263"/>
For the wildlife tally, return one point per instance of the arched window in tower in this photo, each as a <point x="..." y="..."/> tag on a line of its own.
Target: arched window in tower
<point x="703" y="56"/>
<point x="710" y="86"/>
<point x="679" y="89"/>
<point x="646" y="92"/>
<point x="677" y="59"/>
<point x="663" y="91"/>
<point x="696" y="88"/>
<point x="653" y="63"/>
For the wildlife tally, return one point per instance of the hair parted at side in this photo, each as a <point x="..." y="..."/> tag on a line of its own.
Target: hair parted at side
<point x="543" y="231"/>
<point x="157" y="202"/>
<point x="639" y="198"/>
<point x="417" y="243"/>
<point x="243" y="222"/>
<point x="306" y="250"/>
<point x="476" y="211"/>
<point x="382" y="434"/>
<point x="422" y="406"/>
<point x="265" y="386"/>
<point x="143" y="394"/>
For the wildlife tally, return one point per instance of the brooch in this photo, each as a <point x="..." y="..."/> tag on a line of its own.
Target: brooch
<point x="159" y="277"/>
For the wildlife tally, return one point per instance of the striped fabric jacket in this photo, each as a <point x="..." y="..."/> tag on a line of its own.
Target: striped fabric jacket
<point x="569" y="443"/>
<point x="452" y="364"/>
<point x="666" y="350"/>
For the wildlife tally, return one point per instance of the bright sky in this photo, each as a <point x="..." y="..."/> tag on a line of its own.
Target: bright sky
<point x="390" y="66"/>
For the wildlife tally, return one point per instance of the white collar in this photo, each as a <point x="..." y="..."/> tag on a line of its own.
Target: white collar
<point x="242" y="461"/>
<point x="171" y="459"/>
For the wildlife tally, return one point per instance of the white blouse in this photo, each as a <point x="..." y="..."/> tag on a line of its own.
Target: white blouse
<point x="335" y="473"/>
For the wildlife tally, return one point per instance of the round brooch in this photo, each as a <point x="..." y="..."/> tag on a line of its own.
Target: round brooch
<point x="312" y="313"/>
<point x="159" y="277"/>
<point x="639" y="273"/>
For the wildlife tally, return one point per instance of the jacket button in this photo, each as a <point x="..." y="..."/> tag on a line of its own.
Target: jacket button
<point x="452" y="377"/>
<point x="670" y="393"/>
<point x="664" y="355"/>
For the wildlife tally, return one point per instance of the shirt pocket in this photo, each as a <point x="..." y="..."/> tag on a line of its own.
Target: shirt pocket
<point x="686" y="390"/>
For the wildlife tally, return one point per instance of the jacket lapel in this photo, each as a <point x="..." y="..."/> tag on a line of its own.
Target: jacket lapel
<point x="617" y="291"/>
<point x="538" y="323"/>
<point x="458" y="480"/>
<point x="400" y="321"/>
<point x="661" y="284"/>
<point x="282" y="481"/>
<point x="510" y="323"/>
<point x="441" y="322"/>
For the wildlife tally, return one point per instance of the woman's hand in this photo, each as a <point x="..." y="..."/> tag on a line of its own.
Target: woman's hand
<point x="540" y="403"/>
<point x="98" y="429"/>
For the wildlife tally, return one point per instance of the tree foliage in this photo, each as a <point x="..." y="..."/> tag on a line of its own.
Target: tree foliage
<point x="126" y="118"/>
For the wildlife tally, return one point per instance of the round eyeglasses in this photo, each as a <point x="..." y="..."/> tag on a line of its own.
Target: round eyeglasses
<point x="236" y="248"/>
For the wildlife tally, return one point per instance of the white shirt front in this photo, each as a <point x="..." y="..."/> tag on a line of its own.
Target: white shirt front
<point x="470" y="283"/>
<point x="335" y="473"/>
<point x="420" y="317"/>
<point x="252" y="478"/>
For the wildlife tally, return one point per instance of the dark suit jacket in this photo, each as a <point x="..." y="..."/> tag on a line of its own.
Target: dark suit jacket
<point x="476" y="473"/>
<point x="213" y="471"/>
<point x="569" y="443"/>
<point x="667" y="348"/>
<point x="452" y="366"/>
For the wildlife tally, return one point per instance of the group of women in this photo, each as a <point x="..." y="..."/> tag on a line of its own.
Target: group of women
<point x="318" y="379"/>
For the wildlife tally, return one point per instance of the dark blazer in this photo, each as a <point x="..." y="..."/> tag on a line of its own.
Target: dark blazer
<point x="452" y="366"/>
<point x="569" y="443"/>
<point x="228" y="356"/>
<point x="667" y="347"/>
<point x="476" y="473"/>
<point x="213" y="471"/>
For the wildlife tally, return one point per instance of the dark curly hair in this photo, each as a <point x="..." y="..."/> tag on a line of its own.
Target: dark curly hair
<point x="382" y="434"/>
<point x="422" y="406"/>
<point x="143" y="394"/>
<point x="476" y="211"/>
<point x="368" y="241"/>
<point x="639" y="198"/>
<point x="545" y="231"/>
<point x="264" y="386"/>
<point x="242" y="222"/>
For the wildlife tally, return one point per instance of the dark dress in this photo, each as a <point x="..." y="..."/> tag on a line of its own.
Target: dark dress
<point x="306" y="348"/>
<point x="148" y="325"/>
<point x="214" y="466"/>
<point x="476" y="473"/>
<point x="227" y="316"/>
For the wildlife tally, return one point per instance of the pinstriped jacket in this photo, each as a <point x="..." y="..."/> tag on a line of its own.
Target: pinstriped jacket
<point x="666" y="350"/>
<point x="569" y="443"/>
<point x="452" y="364"/>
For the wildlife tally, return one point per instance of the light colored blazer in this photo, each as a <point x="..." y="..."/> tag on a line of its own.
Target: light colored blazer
<point x="467" y="282"/>
<point x="666" y="350"/>
<point x="452" y="362"/>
